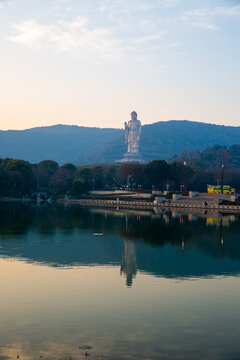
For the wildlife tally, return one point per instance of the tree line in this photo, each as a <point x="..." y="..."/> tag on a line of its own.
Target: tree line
<point x="19" y="178"/>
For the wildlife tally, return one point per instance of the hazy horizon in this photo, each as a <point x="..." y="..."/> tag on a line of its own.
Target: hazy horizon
<point x="117" y="128"/>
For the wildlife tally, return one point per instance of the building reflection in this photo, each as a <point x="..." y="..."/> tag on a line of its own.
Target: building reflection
<point x="128" y="258"/>
<point x="129" y="261"/>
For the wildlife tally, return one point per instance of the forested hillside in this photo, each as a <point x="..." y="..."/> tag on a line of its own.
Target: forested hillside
<point x="213" y="157"/>
<point x="83" y="145"/>
<point x="61" y="143"/>
<point x="165" y="139"/>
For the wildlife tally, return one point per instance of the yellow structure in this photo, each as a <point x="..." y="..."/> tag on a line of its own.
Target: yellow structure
<point x="217" y="221"/>
<point x="216" y="189"/>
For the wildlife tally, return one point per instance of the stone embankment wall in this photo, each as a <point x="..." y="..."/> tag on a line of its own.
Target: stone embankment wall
<point x="151" y="205"/>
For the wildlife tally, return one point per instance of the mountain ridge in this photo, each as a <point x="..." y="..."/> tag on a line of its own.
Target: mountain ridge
<point x="98" y="127"/>
<point x="164" y="139"/>
<point x="85" y="145"/>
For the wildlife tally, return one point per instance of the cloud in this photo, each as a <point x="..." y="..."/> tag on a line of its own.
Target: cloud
<point x="206" y="17"/>
<point x="214" y="12"/>
<point x="148" y="38"/>
<point x="75" y="35"/>
<point x="31" y="34"/>
<point x="126" y="7"/>
<point x="177" y="45"/>
<point x="3" y="3"/>
<point x="169" y="3"/>
<point x="82" y="39"/>
<point x="206" y="26"/>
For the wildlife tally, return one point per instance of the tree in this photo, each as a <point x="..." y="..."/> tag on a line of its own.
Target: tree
<point x="181" y="174"/>
<point x="21" y="177"/>
<point x="49" y="165"/>
<point x="4" y="182"/>
<point x="70" y="167"/>
<point x="85" y="174"/>
<point x="97" y="177"/>
<point x="135" y="173"/>
<point x="44" y="172"/>
<point x="157" y="172"/>
<point x="62" y="180"/>
<point x="109" y="176"/>
<point x="79" y="186"/>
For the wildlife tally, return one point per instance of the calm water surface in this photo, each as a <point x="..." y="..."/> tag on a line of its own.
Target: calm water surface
<point x="131" y="285"/>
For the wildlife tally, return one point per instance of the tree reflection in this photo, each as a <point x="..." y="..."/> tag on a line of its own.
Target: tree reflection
<point x="145" y="237"/>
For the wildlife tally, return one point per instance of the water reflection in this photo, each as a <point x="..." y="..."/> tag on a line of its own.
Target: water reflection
<point x="169" y="244"/>
<point x="129" y="261"/>
<point x="61" y="287"/>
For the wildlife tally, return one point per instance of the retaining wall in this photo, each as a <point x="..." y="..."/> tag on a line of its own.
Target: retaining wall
<point x="151" y="205"/>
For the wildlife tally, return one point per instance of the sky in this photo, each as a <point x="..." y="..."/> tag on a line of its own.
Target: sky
<point x="90" y="63"/>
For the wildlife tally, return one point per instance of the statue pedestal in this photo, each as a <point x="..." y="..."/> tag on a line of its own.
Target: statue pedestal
<point x="132" y="158"/>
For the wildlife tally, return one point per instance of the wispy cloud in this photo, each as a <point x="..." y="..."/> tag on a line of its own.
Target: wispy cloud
<point x="126" y="6"/>
<point x="213" y="12"/>
<point x="3" y="3"/>
<point x="207" y="17"/>
<point x="75" y="35"/>
<point x="206" y="26"/>
<point x="177" y="45"/>
<point x="117" y="27"/>
<point x="84" y="39"/>
<point x="148" y="38"/>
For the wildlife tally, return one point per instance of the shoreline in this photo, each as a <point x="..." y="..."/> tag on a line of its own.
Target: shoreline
<point x="141" y="205"/>
<point x="144" y="205"/>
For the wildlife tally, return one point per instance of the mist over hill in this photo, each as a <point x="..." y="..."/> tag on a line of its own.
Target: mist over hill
<point x="86" y="145"/>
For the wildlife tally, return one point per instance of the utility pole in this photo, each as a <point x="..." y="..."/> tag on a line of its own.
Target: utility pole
<point x="222" y="174"/>
<point x="128" y="181"/>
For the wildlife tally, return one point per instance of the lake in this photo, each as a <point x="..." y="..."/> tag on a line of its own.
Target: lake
<point x="113" y="284"/>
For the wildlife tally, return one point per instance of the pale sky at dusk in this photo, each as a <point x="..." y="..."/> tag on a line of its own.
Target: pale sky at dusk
<point x="92" y="62"/>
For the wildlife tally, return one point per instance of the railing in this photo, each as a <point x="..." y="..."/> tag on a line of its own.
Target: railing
<point x="151" y="205"/>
